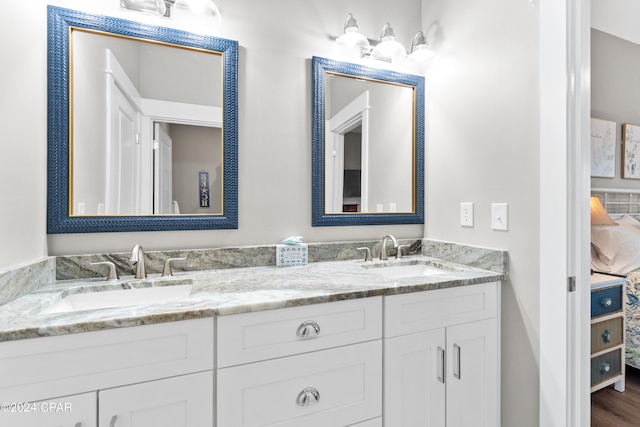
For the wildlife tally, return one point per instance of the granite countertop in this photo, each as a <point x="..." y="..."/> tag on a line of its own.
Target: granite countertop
<point x="227" y="291"/>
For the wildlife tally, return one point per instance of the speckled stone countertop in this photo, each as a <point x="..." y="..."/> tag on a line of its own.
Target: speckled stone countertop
<point x="227" y="291"/>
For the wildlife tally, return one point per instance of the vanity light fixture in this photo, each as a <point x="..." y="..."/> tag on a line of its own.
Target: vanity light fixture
<point x="420" y="51"/>
<point x="352" y="40"/>
<point x="153" y="7"/>
<point x="389" y="49"/>
<point x="202" y="8"/>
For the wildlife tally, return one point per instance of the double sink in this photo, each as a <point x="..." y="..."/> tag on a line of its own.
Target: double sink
<point x="163" y="290"/>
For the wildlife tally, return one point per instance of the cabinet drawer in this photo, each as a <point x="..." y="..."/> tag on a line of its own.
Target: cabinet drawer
<point x="606" y="366"/>
<point x="605" y="301"/>
<point x="340" y="386"/>
<point x="182" y="401"/>
<point x="607" y="334"/>
<point x="422" y="311"/>
<point x="252" y="337"/>
<point x="37" y="368"/>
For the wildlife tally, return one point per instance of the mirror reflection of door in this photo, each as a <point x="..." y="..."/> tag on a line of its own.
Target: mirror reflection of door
<point x="352" y="185"/>
<point x="123" y="157"/>
<point x="163" y="202"/>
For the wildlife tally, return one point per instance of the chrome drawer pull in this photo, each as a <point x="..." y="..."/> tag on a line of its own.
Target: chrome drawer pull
<point x="606" y="336"/>
<point x="308" y="329"/>
<point x="606" y="302"/>
<point x="113" y="421"/>
<point x="605" y="368"/>
<point x="441" y="364"/>
<point x="78" y="425"/>
<point x="456" y="361"/>
<point x="308" y="396"/>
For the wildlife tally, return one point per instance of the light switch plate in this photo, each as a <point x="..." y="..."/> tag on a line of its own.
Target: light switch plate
<point x="466" y="214"/>
<point x="500" y="216"/>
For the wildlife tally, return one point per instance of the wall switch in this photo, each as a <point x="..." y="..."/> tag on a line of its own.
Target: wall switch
<point x="466" y="214"/>
<point x="500" y="216"/>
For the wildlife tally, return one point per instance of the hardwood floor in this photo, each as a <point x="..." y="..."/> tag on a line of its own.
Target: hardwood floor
<point x="610" y="408"/>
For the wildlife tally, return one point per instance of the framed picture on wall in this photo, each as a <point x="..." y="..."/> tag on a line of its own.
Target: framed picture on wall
<point x="631" y="151"/>
<point x="603" y="148"/>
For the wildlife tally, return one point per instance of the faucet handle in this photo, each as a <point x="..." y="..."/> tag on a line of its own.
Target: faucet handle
<point x="112" y="274"/>
<point x="167" y="271"/>
<point x="399" y="250"/>
<point x="367" y="253"/>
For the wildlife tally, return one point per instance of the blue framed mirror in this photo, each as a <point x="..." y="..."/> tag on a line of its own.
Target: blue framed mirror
<point x="142" y="127"/>
<point x="367" y="145"/>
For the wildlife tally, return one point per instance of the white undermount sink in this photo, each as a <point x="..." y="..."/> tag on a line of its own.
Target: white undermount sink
<point x="119" y="298"/>
<point x="412" y="269"/>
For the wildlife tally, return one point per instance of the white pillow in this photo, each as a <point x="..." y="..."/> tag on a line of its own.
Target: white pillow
<point x="617" y="248"/>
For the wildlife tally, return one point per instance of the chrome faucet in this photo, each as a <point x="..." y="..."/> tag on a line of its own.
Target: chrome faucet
<point x="383" y="246"/>
<point x="137" y="258"/>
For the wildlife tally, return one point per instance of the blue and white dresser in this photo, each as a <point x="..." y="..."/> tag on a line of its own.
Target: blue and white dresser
<point x="607" y="331"/>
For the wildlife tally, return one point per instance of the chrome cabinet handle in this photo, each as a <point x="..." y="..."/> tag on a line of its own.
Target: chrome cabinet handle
<point x="113" y="421"/>
<point x="606" y="336"/>
<point x="78" y="425"/>
<point x="308" y="396"/>
<point x="441" y="364"/>
<point x="456" y="361"/>
<point x="605" y="368"/>
<point x="308" y="329"/>
<point x="606" y="302"/>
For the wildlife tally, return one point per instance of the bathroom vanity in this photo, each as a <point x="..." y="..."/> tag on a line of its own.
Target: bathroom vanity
<point x="343" y="343"/>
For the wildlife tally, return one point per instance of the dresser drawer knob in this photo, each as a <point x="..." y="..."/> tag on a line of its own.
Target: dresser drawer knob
<point x="308" y="329"/>
<point x="308" y="396"/>
<point x="605" y="368"/>
<point x="606" y="302"/>
<point x="606" y="336"/>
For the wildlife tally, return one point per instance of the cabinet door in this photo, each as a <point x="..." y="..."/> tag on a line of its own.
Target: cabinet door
<point x="71" y="411"/>
<point x="472" y="375"/>
<point x="414" y="378"/>
<point x="184" y="401"/>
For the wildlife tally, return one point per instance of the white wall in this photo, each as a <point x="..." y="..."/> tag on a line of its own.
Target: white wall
<point x="483" y="142"/>
<point x="23" y="133"/>
<point x="617" y="17"/>
<point x="277" y="40"/>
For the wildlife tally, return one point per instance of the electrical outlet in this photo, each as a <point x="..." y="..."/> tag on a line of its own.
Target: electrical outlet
<point x="466" y="214"/>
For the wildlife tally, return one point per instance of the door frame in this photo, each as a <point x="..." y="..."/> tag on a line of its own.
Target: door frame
<point x="564" y="193"/>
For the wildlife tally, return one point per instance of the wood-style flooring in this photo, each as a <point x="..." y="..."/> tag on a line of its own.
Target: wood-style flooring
<point x="610" y="408"/>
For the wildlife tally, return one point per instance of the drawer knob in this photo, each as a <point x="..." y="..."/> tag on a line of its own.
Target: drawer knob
<point x="308" y="329"/>
<point x="605" y="368"/>
<point x="606" y="302"/>
<point x="606" y="336"/>
<point x="308" y="396"/>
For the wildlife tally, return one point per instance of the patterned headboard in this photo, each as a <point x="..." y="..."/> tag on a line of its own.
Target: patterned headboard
<point x="618" y="202"/>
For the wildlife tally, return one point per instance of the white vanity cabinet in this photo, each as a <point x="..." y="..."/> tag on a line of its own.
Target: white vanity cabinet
<point x="317" y="365"/>
<point x="441" y="358"/>
<point x="144" y="376"/>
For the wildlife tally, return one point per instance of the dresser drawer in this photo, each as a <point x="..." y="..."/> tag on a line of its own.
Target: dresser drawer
<point x="606" y="301"/>
<point x="606" y="366"/>
<point x="335" y="387"/>
<point x="423" y="311"/>
<point x="252" y="337"/>
<point x="607" y="334"/>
